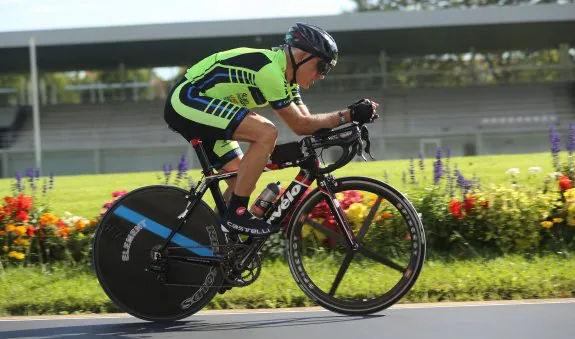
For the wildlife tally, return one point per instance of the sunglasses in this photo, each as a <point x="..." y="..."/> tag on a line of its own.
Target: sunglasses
<point x="323" y="67"/>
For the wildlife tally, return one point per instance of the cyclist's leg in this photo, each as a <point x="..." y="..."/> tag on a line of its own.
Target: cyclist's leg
<point x="231" y="166"/>
<point x="262" y="135"/>
<point x="194" y="115"/>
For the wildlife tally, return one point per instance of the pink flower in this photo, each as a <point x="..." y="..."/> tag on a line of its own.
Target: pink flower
<point x="118" y="194"/>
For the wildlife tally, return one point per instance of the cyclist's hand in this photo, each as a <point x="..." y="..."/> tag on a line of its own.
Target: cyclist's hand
<point x="363" y="111"/>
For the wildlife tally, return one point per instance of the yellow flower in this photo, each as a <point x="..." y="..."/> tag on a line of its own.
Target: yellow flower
<point x="4" y="248"/>
<point x="339" y="196"/>
<point x="547" y="224"/>
<point x="16" y="255"/>
<point x="10" y="228"/>
<point x="571" y="215"/>
<point x="569" y="194"/>
<point x="557" y="220"/>
<point x="356" y="212"/>
<point x="307" y="229"/>
<point x="20" y="230"/>
<point x="48" y="219"/>
<point x="20" y="241"/>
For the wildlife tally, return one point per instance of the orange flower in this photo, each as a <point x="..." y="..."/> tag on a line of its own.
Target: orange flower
<point x="20" y="230"/>
<point x="10" y="228"/>
<point x="80" y="225"/>
<point x="64" y="232"/>
<point x="48" y="219"/>
<point x="386" y="215"/>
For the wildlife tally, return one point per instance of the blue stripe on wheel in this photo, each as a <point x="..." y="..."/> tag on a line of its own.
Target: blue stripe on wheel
<point x="160" y="230"/>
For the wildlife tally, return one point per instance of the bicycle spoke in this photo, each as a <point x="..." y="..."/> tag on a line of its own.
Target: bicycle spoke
<point x="330" y="233"/>
<point x="369" y="219"/>
<point x="341" y="272"/>
<point x="381" y="259"/>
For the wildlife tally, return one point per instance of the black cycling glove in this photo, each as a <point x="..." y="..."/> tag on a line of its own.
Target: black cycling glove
<point x="362" y="111"/>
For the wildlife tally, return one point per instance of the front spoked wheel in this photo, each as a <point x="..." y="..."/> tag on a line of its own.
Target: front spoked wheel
<point x="375" y="276"/>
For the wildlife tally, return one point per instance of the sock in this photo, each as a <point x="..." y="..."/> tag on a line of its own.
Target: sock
<point x="238" y="205"/>
<point x="239" y="218"/>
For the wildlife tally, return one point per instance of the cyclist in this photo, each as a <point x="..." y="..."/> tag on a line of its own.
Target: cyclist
<point x="213" y="102"/>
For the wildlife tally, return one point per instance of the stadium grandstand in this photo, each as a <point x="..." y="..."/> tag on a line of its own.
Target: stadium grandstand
<point x="469" y="106"/>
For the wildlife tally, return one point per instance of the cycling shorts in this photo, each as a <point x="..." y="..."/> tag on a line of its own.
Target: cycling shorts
<point x="212" y="120"/>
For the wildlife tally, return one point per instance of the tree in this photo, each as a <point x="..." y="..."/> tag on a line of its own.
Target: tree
<point x="411" y="5"/>
<point x="455" y="69"/>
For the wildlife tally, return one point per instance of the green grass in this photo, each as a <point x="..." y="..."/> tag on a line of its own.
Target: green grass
<point x="62" y="290"/>
<point x="85" y="194"/>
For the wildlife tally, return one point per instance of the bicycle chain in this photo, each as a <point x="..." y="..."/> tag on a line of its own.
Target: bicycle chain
<point x="220" y="267"/>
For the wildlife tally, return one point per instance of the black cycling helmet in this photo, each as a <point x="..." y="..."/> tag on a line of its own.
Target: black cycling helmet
<point x="315" y="41"/>
<point x="312" y="39"/>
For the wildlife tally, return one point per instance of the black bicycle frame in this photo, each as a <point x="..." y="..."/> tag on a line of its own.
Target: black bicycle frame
<point x="274" y="216"/>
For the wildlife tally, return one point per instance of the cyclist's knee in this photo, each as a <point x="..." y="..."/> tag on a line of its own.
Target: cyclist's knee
<point x="268" y="133"/>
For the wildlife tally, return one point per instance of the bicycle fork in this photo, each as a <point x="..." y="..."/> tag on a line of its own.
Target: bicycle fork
<point x="324" y="184"/>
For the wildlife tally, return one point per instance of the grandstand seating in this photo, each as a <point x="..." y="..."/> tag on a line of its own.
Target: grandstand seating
<point x="407" y="116"/>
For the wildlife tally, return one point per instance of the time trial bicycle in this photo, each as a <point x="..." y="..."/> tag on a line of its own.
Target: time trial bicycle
<point x="354" y="245"/>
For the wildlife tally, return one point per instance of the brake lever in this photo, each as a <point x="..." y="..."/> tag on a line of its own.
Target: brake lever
<point x="365" y="136"/>
<point x="360" y="150"/>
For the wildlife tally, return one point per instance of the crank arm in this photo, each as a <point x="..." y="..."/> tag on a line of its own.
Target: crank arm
<point x="206" y="261"/>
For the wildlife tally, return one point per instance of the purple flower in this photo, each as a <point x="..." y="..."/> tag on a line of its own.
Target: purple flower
<point x="555" y="139"/>
<point x="421" y="163"/>
<point x="411" y="171"/>
<point x="183" y="164"/>
<point x="51" y="181"/>
<point x="571" y="141"/>
<point x="167" y="173"/>
<point x="463" y="183"/>
<point x="450" y="188"/>
<point x="30" y="172"/>
<point x="437" y="167"/>
<point x="448" y="152"/>
<point x="19" y="186"/>
<point x="403" y="177"/>
<point x="37" y="173"/>
<point x="182" y="168"/>
<point x="167" y="169"/>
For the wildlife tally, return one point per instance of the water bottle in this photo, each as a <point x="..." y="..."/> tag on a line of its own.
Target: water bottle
<point x="265" y="200"/>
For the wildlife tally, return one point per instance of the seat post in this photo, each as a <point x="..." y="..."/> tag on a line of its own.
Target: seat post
<point x="207" y="169"/>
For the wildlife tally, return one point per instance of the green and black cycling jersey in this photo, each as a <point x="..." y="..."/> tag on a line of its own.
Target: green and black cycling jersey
<point x="216" y="93"/>
<point x="246" y="77"/>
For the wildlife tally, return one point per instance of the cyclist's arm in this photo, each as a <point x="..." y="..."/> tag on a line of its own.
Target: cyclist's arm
<point x="302" y="123"/>
<point x="303" y="108"/>
<point x="296" y="98"/>
<point x="285" y="100"/>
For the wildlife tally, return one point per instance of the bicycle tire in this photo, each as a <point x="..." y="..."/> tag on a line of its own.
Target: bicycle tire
<point x="295" y="244"/>
<point x="124" y="237"/>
